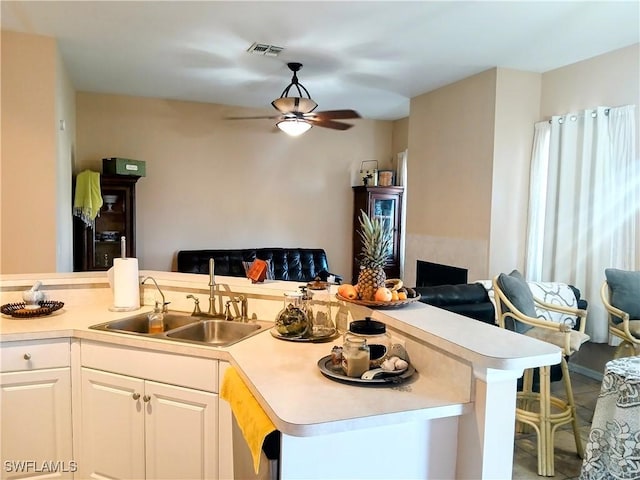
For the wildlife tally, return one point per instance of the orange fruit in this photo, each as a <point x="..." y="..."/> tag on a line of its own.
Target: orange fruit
<point x="383" y="294"/>
<point x="347" y="291"/>
<point x="402" y="296"/>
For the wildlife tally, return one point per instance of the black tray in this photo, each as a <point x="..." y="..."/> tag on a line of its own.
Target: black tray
<point x="327" y="338"/>
<point x="334" y="372"/>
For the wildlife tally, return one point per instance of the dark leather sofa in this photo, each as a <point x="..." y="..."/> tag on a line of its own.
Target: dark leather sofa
<point x="294" y="264"/>
<point x="468" y="299"/>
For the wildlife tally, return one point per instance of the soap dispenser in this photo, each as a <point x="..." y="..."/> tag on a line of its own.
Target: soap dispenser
<point x="156" y="320"/>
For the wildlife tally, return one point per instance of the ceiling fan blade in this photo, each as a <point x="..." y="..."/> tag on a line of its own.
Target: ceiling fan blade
<point x="326" y="123"/>
<point x="335" y="114"/>
<point x="270" y="117"/>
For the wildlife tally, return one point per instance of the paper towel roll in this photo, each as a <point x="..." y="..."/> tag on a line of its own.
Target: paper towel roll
<point x="123" y="277"/>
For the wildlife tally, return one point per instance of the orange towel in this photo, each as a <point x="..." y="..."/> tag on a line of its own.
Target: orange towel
<point x="252" y="420"/>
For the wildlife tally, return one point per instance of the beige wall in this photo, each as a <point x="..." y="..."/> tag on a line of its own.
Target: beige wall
<point x="469" y="153"/>
<point x="400" y="140"/>
<point x="28" y="166"/>
<point x="215" y="183"/>
<point x="612" y="79"/>
<point x="451" y="136"/>
<point x="517" y="109"/>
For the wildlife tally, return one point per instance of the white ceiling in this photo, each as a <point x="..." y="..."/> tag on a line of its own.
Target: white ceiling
<point x="369" y="56"/>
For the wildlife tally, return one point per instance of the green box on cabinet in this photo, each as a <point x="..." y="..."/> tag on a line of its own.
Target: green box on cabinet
<point x="124" y="166"/>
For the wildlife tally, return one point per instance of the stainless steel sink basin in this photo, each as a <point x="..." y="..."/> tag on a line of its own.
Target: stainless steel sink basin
<point x="140" y="323"/>
<point x="214" y="332"/>
<point x="183" y="327"/>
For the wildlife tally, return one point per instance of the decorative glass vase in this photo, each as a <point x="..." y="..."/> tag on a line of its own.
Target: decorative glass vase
<point x="292" y="320"/>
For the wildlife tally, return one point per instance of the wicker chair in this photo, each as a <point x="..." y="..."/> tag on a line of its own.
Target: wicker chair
<point x="626" y="328"/>
<point x="543" y="412"/>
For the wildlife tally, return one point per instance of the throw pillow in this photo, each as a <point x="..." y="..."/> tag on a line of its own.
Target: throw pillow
<point x="270" y="275"/>
<point x="625" y="292"/>
<point x="517" y="291"/>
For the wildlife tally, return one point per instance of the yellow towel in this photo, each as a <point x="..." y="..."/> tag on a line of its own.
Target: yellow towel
<point x="88" y="198"/>
<point x="252" y="420"/>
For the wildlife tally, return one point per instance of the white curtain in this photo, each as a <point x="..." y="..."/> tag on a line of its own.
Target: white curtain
<point x="401" y="172"/>
<point x="584" y="205"/>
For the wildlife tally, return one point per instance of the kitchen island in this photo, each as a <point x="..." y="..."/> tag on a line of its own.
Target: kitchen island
<point x="454" y="418"/>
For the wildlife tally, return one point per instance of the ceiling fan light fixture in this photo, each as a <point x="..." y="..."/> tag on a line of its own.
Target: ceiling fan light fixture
<point x="294" y="104"/>
<point x="293" y="126"/>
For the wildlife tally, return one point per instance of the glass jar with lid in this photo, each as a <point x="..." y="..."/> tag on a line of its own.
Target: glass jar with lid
<point x="375" y="333"/>
<point x="319" y="309"/>
<point x="292" y="320"/>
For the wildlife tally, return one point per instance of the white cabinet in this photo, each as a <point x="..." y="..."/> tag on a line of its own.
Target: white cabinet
<point x="181" y="432"/>
<point x="112" y="429"/>
<point x="135" y="427"/>
<point x="35" y="407"/>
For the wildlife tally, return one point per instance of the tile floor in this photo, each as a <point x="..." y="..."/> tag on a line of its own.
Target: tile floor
<point x="567" y="462"/>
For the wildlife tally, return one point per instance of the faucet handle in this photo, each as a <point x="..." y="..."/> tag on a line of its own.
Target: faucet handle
<point x="227" y="310"/>
<point x="196" y="308"/>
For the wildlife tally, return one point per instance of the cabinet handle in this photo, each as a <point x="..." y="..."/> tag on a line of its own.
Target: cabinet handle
<point x="136" y="396"/>
<point x="146" y="398"/>
<point x="27" y="356"/>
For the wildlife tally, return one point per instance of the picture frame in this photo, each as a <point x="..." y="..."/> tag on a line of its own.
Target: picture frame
<point x="386" y="178"/>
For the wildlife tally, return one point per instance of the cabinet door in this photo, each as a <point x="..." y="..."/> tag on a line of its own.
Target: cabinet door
<point x="112" y="426"/>
<point x="181" y="432"/>
<point x="386" y="209"/>
<point x="36" y="424"/>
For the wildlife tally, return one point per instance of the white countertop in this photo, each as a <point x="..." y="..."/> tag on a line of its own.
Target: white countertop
<point x="284" y="375"/>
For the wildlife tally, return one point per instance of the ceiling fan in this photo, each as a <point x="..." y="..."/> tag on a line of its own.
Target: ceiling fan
<point x="297" y="113"/>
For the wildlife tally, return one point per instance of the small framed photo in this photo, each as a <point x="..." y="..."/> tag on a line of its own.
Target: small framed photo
<point x="386" y="178"/>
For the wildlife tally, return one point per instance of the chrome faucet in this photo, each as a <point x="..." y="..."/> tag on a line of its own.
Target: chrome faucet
<point x="165" y="309"/>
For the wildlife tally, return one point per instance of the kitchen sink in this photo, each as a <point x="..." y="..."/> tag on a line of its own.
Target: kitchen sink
<point x="214" y="332"/>
<point x="140" y="323"/>
<point x="183" y="327"/>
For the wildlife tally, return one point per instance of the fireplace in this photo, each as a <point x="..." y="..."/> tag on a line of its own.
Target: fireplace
<point x="430" y="274"/>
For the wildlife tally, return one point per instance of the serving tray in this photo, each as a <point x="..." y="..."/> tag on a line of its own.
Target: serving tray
<point x="18" y="310"/>
<point x="334" y="372"/>
<point x="373" y="303"/>
<point x="325" y="338"/>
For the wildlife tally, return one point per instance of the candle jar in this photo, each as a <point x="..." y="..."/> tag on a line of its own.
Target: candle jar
<point x="355" y="356"/>
<point x="292" y="320"/>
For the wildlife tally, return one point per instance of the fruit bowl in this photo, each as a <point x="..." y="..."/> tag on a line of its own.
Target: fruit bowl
<point x="374" y="303"/>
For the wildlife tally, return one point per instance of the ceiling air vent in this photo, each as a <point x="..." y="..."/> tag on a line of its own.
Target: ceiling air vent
<point x="264" y="49"/>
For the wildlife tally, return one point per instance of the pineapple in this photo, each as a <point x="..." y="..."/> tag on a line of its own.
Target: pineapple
<point x="376" y="243"/>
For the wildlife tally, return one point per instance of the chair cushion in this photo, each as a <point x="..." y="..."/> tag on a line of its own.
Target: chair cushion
<point x="517" y="291"/>
<point x="555" y="293"/>
<point x="576" y="338"/>
<point x="625" y="291"/>
<point x="634" y="328"/>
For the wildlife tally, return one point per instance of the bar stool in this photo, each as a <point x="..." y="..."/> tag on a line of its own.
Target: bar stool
<point x="516" y="311"/>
